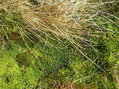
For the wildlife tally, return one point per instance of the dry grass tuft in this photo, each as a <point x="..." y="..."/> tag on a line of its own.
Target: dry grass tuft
<point x="59" y="18"/>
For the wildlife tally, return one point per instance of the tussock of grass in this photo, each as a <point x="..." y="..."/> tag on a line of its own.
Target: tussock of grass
<point x="63" y="19"/>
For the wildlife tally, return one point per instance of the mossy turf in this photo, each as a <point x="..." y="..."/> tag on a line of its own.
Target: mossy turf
<point x="25" y="65"/>
<point x="48" y="68"/>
